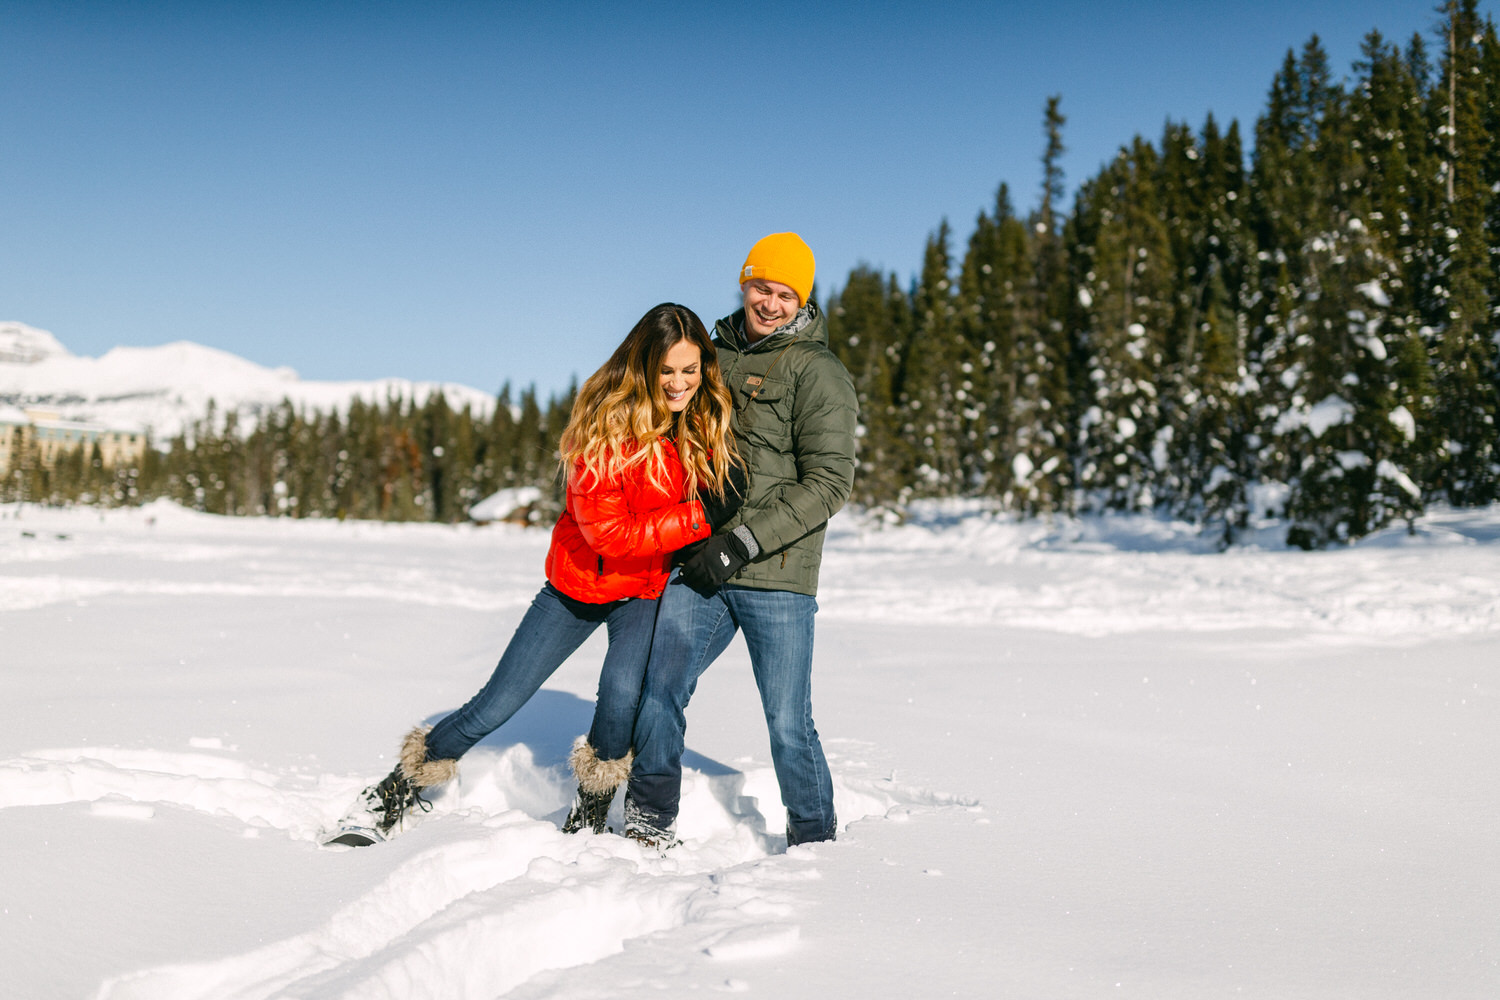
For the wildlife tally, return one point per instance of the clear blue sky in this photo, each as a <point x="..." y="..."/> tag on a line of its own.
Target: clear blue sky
<point x="478" y="192"/>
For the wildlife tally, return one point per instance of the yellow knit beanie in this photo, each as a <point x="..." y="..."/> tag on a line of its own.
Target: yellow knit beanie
<point x="782" y="257"/>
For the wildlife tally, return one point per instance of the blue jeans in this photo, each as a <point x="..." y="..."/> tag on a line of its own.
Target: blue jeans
<point x="691" y="630"/>
<point x="554" y="626"/>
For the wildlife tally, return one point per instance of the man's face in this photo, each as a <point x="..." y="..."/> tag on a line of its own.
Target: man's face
<point x="768" y="305"/>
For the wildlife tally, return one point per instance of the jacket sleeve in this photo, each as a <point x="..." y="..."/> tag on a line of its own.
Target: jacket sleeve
<point x="825" y="412"/>
<point x="611" y="528"/>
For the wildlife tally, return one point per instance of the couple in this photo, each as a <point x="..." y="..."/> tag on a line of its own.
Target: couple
<point x="655" y="480"/>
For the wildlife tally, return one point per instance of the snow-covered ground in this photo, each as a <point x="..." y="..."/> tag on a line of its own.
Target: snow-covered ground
<point x="1080" y="759"/>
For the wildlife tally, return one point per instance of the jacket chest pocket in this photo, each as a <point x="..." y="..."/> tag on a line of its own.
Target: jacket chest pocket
<point x="764" y="405"/>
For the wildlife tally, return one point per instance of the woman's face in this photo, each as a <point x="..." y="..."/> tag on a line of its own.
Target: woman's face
<point x="681" y="374"/>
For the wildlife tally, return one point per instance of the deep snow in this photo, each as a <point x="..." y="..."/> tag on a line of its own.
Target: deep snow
<point x="1073" y="759"/>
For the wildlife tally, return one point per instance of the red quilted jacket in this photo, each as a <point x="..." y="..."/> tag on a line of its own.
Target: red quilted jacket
<point x="616" y="537"/>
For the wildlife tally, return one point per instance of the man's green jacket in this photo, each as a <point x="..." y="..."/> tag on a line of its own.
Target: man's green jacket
<point x="794" y="417"/>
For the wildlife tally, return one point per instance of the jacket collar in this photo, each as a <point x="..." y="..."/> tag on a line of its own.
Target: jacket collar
<point x="808" y="324"/>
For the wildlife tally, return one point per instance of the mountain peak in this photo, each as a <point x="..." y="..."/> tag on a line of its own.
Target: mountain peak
<point x="164" y="389"/>
<point x="26" y="345"/>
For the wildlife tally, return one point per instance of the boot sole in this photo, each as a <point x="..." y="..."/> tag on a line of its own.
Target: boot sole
<point x="352" y="839"/>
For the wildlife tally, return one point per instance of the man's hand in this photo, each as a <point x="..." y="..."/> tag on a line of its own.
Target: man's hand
<point x="721" y="557"/>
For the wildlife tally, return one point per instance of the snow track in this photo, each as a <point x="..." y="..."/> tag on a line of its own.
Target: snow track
<point x="482" y="896"/>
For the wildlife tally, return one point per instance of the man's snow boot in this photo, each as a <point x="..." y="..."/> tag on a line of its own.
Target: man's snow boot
<point x="597" y="782"/>
<point x="643" y="829"/>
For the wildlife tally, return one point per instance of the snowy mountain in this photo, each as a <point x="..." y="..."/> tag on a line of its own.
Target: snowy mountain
<point x="163" y="389"/>
<point x="21" y="344"/>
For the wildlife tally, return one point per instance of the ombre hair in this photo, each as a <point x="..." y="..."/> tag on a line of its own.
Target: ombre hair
<point x="621" y="419"/>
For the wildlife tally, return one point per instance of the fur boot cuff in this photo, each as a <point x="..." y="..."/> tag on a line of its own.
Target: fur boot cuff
<point x="418" y="769"/>
<point x="595" y="775"/>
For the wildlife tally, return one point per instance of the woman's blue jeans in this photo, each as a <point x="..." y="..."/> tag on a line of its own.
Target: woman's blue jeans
<point x="552" y="629"/>
<point x="693" y="629"/>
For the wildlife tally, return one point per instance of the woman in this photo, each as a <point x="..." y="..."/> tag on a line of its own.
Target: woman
<point x="650" y="468"/>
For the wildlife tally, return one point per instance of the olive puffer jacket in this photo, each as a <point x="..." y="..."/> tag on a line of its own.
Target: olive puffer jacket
<point x="795" y="412"/>
<point x="616" y="537"/>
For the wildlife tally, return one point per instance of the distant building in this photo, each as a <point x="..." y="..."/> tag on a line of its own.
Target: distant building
<point x="15" y="432"/>
<point x="44" y="437"/>
<point x="513" y="505"/>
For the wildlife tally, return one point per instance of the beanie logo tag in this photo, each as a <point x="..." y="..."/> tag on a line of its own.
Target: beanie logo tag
<point x="749" y="270"/>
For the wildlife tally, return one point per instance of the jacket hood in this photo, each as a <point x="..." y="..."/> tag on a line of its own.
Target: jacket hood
<point x="809" y="324"/>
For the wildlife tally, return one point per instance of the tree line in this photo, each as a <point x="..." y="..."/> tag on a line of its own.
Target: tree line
<point x="394" y="460"/>
<point x="1308" y="330"/>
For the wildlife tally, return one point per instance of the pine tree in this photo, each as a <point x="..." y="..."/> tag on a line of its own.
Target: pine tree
<point x="559" y="409"/>
<point x="930" y="399"/>
<point x="1201" y="447"/>
<point x="1462" y="339"/>
<point x="462" y="453"/>
<point x="528" y="460"/>
<point x="863" y="333"/>
<point x="435" y="439"/>
<point x="1127" y="295"/>
<point x="1049" y="361"/>
<point x="1390" y="184"/>
<point x="499" y="444"/>
<point x="994" y="282"/>
<point x="1299" y="207"/>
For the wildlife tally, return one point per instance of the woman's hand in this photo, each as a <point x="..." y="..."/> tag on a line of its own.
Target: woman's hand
<point x="720" y="510"/>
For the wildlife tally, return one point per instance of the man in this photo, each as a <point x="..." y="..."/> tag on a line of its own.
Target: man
<point x="794" y="420"/>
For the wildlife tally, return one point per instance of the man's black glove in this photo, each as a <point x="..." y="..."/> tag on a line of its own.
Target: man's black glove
<point x="719" y="510"/>
<point x="721" y="557"/>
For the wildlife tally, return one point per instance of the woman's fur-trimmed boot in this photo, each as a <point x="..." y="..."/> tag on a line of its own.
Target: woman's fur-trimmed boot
<point x="381" y="810"/>
<point x="597" y="781"/>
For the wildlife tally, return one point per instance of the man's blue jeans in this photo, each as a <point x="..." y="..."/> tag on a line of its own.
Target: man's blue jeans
<point x="553" y="628"/>
<point x="691" y="630"/>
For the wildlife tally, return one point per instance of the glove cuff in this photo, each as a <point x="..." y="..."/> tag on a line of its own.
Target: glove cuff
<point x="746" y="539"/>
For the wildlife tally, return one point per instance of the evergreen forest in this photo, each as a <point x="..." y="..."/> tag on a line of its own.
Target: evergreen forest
<point x="393" y="461"/>
<point x="1306" y="330"/>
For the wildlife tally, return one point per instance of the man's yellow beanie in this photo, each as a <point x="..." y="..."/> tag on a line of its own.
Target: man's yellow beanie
<point x="785" y="258"/>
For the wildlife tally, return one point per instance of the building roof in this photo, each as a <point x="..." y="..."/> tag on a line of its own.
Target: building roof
<point x="52" y="420"/>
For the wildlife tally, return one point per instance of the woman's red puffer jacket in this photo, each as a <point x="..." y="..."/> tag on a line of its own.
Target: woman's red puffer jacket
<point x="616" y="537"/>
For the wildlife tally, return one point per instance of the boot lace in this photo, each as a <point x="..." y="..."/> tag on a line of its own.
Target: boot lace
<point x="396" y="799"/>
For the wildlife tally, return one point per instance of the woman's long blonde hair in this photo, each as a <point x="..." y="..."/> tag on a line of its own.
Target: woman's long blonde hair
<point x="621" y="419"/>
